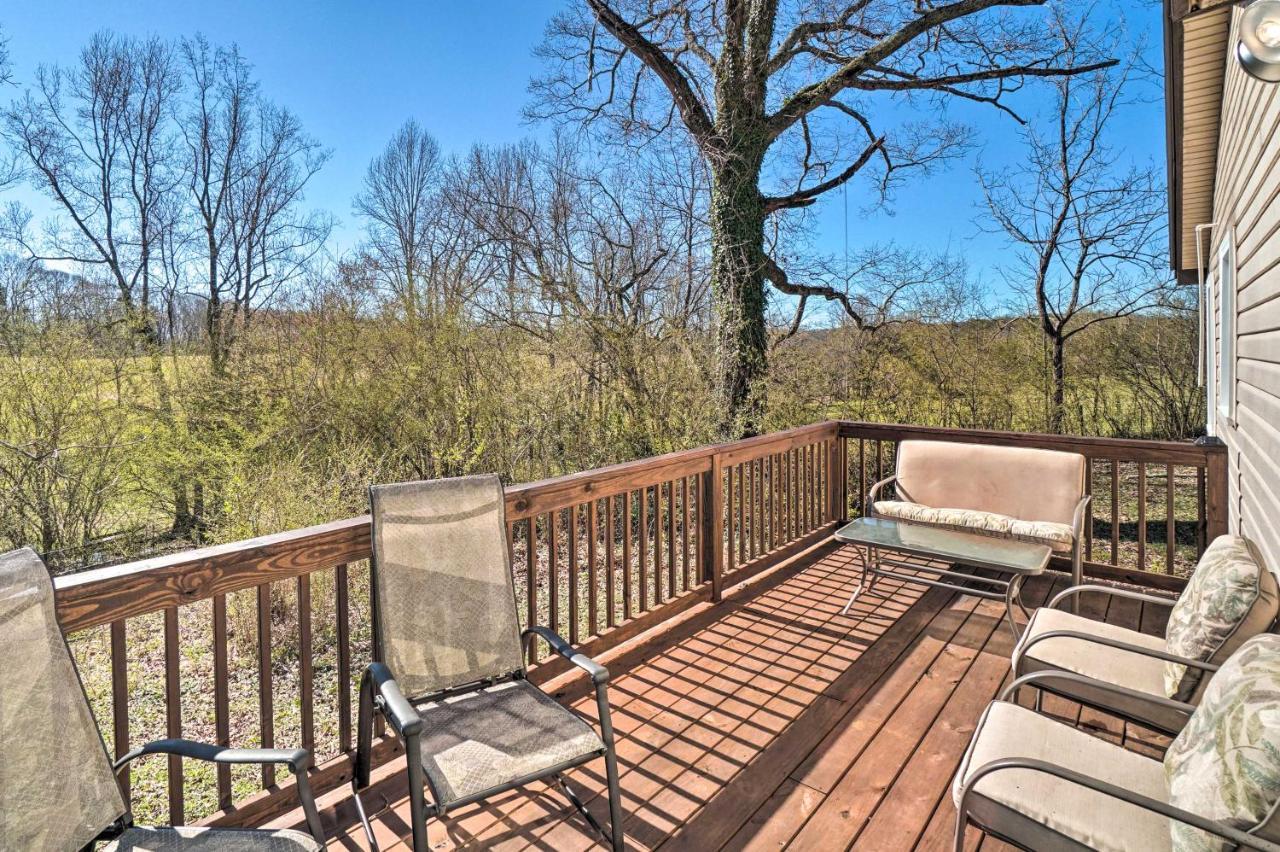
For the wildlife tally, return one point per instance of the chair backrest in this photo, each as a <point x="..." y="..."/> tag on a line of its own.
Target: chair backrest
<point x="1019" y="482"/>
<point x="57" y="790"/>
<point x="446" y="606"/>
<point x="1225" y="764"/>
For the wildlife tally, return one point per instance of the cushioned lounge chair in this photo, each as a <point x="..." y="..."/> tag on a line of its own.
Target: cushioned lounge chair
<point x="451" y="678"/>
<point x="58" y="788"/>
<point x="1009" y="492"/>
<point x="1230" y="598"/>
<point x="1047" y="786"/>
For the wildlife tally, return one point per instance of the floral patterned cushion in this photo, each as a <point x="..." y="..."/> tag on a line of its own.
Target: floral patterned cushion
<point x="1059" y="537"/>
<point x="1225" y="765"/>
<point x="1230" y="597"/>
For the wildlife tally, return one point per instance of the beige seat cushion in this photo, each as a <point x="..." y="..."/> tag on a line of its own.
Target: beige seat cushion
<point x="191" y="839"/>
<point x="1100" y="662"/>
<point x="484" y="739"/>
<point x="1059" y="537"/>
<point x="1039" y="811"/>
<point x="1225" y="765"/>
<point x="1019" y="482"/>
<point x="1231" y="597"/>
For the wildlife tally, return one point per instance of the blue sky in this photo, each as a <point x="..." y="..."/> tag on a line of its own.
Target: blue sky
<point x="353" y="72"/>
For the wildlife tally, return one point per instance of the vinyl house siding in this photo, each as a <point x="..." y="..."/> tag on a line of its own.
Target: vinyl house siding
<point x="1246" y="212"/>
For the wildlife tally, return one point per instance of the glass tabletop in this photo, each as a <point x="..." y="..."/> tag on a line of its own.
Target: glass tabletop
<point x="977" y="551"/>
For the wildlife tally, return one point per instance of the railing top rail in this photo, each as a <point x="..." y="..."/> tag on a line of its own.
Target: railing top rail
<point x="101" y="595"/>
<point x="534" y="498"/>
<point x="1175" y="452"/>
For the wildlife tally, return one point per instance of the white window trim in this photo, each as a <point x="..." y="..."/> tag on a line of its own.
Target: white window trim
<point x="1209" y="331"/>
<point x="1226" y="327"/>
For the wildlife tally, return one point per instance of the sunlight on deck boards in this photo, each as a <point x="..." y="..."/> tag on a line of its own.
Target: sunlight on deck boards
<point x="771" y="722"/>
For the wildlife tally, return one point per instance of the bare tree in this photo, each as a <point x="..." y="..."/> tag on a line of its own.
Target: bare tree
<point x="757" y="85"/>
<point x="93" y="138"/>
<point x="8" y="164"/>
<point x="399" y="205"/>
<point x="248" y="162"/>
<point x="1088" y="228"/>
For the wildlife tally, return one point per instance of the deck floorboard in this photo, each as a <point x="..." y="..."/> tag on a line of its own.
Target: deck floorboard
<point x="772" y="721"/>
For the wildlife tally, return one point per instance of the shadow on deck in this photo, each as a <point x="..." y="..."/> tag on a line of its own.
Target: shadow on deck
<point x="771" y="721"/>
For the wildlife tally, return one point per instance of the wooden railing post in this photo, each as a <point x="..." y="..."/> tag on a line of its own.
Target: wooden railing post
<point x="711" y="523"/>
<point x="836" y="476"/>
<point x="1217" y="500"/>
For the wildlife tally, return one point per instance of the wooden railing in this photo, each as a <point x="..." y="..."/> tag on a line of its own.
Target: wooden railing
<point x="599" y="556"/>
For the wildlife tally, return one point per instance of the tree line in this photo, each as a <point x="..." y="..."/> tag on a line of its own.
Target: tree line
<point x="187" y="358"/>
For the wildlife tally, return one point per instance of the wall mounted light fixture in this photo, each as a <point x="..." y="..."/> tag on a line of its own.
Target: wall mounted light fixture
<point x="1259" y="47"/>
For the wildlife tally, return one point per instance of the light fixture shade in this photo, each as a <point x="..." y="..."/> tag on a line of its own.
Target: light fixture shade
<point x="1259" y="47"/>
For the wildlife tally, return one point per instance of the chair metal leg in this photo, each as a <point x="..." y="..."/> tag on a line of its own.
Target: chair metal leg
<point x="1077" y="574"/>
<point x="610" y="768"/>
<point x="581" y="808"/>
<point x="417" y="793"/>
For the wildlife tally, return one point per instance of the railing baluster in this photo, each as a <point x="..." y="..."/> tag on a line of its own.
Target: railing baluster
<point x="222" y="700"/>
<point x="553" y="572"/>
<point x="306" y="676"/>
<point x="266" y="700"/>
<point x="627" y="515"/>
<point x="120" y="702"/>
<point x="610" y="564"/>
<point x="732" y="548"/>
<point x="862" y="478"/>
<point x="1115" y="511"/>
<point x="742" y="514"/>
<point x="760" y="522"/>
<point x="342" y="611"/>
<point x="671" y="539"/>
<point x="1202" y="519"/>
<point x="531" y="583"/>
<point x="593" y="607"/>
<point x="1170" y="521"/>
<point x="573" y="574"/>
<point x="173" y="711"/>
<point x="684" y="533"/>
<point x="1142" y="516"/>
<point x="643" y="543"/>
<point x="808" y="487"/>
<point x="1088" y="523"/>
<point x="657" y="543"/>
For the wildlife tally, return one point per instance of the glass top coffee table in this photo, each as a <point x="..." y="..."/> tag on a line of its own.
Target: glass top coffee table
<point x="1015" y="560"/>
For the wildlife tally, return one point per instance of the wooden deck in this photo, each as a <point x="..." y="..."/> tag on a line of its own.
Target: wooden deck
<point x="771" y="721"/>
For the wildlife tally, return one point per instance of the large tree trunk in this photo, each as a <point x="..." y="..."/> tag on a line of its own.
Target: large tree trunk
<point x="738" y="290"/>
<point x="1057" y="409"/>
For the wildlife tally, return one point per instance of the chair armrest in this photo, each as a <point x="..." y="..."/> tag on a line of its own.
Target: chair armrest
<point x="1111" y="643"/>
<point x="1110" y="591"/>
<point x="1171" y="812"/>
<point x="874" y="494"/>
<point x="1036" y="678"/>
<point x="388" y="698"/>
<point x="1078" y="518"/>
<point x="599" y="674"/>
<point x="298" y="760"/>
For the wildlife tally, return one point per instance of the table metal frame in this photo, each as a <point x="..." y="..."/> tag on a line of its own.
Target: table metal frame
<point x="1007" y="590"/>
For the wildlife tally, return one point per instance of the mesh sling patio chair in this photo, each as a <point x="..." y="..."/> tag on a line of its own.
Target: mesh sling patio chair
<point x="449" y="675"/>
<point x="58" y="789"/>
<point x="1046" y="785"/>
<point x="1230" y="597"/>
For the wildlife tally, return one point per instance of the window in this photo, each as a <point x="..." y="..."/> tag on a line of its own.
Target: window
<point x="1227" y="330"/>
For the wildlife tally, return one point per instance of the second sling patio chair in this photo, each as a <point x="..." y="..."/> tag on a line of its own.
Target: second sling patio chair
<point x="450" y="674"/>
<point x="58" y="788"/>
